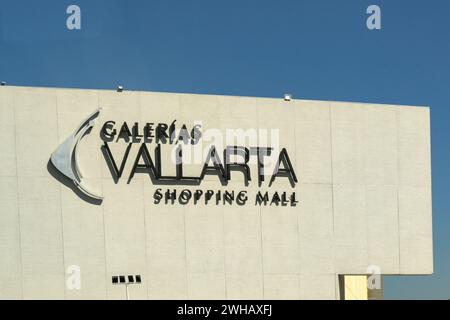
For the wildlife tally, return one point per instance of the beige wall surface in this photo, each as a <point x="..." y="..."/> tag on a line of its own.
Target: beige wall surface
<point x="364" y="192"/>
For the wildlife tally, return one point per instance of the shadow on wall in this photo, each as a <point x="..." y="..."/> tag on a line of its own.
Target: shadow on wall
<point x="69" y="184"/>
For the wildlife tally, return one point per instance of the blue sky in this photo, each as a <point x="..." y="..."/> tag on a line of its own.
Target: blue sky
<point x="315" y="49"/>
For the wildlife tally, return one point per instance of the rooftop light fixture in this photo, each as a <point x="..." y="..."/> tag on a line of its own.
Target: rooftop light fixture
<point x="287" y="97"/>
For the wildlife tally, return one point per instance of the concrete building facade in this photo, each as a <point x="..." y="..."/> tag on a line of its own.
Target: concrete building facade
<point x="353" y="195"/>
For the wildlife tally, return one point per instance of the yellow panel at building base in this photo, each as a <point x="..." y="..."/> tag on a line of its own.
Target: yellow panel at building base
<point x="355" y="287"/>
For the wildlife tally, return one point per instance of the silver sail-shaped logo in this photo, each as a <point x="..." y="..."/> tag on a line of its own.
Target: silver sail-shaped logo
<point x="64" y="158"/>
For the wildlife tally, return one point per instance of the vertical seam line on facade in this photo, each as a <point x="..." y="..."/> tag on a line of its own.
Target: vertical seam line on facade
<point x="17" y="192"/>
<point x="336" y="276"/>
<point x="398" y="187"/>
<point x="224" y="252"/>
<point x="184" y="226"/>
<point x="297" y="213"/>
<point x="143" y="204"/>
<point x="145" y="237"/>
<point x="103" y="214"/>
<point x="260" y="213"/>
<point x="223" y="231"/>
<point x="365" y="214"/>
<point x="104" y="243"/>
<point x="185" y="253"/>
<point x="147" y="263"/>
<point x="60" y="203"/>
